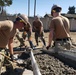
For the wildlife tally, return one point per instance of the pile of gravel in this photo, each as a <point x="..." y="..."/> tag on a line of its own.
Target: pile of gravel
<point x="50" y="65"/>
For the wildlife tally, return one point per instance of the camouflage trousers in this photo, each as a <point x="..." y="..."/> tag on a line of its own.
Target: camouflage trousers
<point x="37" y="34"/>
<point x="5" y="62"/>
<point x="20" y="39"/>
<point x="61" y="45"/>
<point x="2" y="58"/>
<point x="23" y="37"/>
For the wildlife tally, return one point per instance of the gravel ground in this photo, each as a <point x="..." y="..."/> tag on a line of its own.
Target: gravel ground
<point x="48" y="64"/>
<point x="52" y="66"/>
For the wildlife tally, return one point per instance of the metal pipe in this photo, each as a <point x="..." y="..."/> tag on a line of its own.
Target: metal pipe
<point x="36" y="70"/>
<point x="34" y="8"/>
<point x="28" y="8"/>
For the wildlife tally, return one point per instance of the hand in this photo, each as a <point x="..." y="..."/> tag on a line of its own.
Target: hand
<point x="12" y="57"/>
<point x="47" y="47"/>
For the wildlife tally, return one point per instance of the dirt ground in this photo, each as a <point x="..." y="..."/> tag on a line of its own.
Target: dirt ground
<point x="73" y="36"/>
<point x="50" y="65"/>
<point x="16" y="42"/>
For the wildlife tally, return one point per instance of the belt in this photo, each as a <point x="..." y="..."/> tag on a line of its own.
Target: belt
<point x="1" y="49"/>
<point x="64" y="39"/>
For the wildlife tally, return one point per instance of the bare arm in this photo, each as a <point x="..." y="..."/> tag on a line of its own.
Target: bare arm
<point x="51" y="33"/>
<point x="30" y="29"/>
<point x="41" y="28"/>
<point x="10" y="45"/>
<point x="50" y="38"/>
<point x="33" y="27"/>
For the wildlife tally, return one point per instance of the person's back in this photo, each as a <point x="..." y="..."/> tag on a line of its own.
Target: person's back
<point x="61" y="27"/>
<point x="6" y="28"/>
<point x="5" y="31"/>
<point x="37" y="25"/>
<point x="38" y="29"/>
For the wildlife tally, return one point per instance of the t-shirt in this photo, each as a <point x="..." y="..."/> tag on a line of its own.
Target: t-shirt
<point x="6" y="28"/>
<point x="37" y="25"/>
<point x="27" y="27"/>
<point x="61" y="27"/>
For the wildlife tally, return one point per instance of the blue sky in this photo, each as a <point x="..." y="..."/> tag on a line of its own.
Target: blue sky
<point x="42" y="6"/>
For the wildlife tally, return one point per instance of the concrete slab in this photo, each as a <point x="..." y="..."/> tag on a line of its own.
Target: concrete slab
<point x="68" y="54"/>
<point x="71" y="54"/>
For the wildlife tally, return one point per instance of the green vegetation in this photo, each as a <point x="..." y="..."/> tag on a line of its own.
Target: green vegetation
<point x="4" y="3"/>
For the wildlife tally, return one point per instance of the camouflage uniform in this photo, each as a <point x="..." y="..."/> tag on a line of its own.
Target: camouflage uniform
<point x="38" y="29"/>
<point x="6" y="28"/>
<point x="59" y="29"/>
<point x="27" y="31"/>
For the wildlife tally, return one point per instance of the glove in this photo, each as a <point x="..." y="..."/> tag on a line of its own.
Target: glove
<point x="12" y="57"/>
<point x="47" y="47"/>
